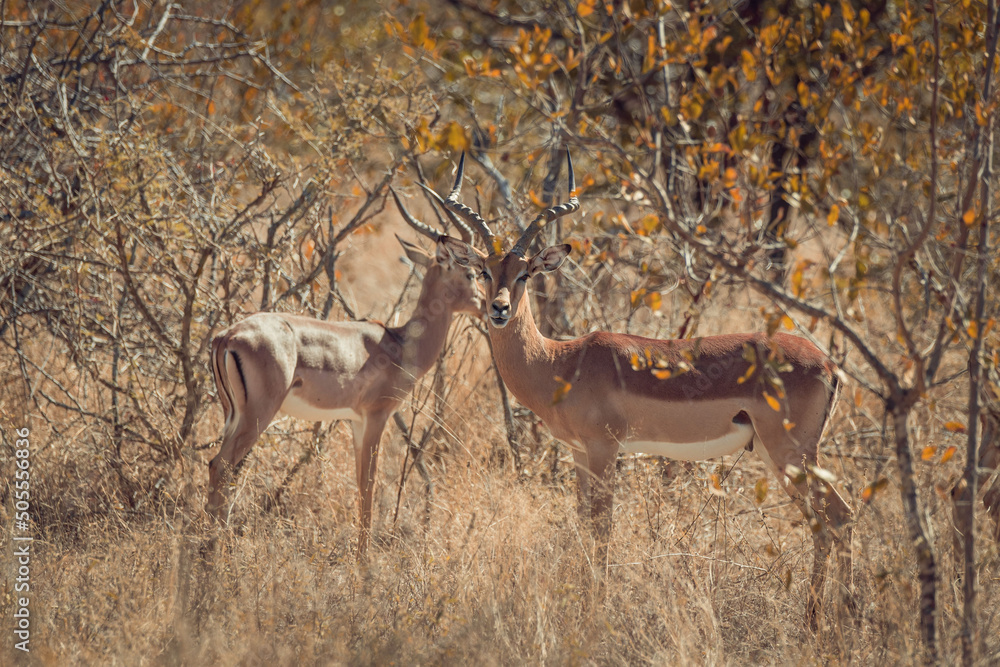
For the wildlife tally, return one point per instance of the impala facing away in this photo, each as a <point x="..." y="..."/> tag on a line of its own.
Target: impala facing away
<point x="319" y="371"/>
<point x="692" y="400"/>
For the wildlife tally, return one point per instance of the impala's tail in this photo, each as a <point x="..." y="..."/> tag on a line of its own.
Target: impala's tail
<point x="223" y="381"/>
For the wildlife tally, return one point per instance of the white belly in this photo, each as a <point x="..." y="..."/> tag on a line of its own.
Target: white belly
<point x="296" y="407"/>
<point x="738" y="438"/>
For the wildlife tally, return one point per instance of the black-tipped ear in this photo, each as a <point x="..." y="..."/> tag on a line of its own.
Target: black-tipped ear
<point x="549" y="259"/>
<point x="459" y="252"/>
<point x="414" y="253"/>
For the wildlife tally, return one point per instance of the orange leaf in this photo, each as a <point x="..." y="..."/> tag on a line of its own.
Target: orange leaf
<point x="948" y="453"/>
<point x="969" y="217"/>
<point x="869" y="491"/>
<point x="955" y="427"/>
<point x="560" y="393"/>
<point x="661" y="373"/>
<point x="772" y="401"/>
<point x="928" y="452"/>
<point x="716" y="488"/>
<point x="833" y="215"/>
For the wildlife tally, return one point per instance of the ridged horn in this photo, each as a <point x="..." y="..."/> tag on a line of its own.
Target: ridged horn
<point x="549" y="214"/>
<point x="421" y="227"/>
<point x="466" y="213"/>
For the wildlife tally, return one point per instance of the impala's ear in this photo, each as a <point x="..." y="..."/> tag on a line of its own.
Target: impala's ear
<point x="460" y="252"/>
<point x="416" y="255"/>
<point x="549" y="259"/>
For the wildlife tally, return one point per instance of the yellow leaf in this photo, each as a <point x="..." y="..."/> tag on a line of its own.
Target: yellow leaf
<point x="833" y="215"/>
<point x="637" y="295"/>
<point x="955" y="427"/>
<point x="973" y="329"/>
<point x="787" y="322"/>
<point x="928" y="452"/>
<point x="454" y="136"/>
<point x="661" y="373"/>
<point x="772" y="401"/>
<point x="634" y="360"/>
<point x="760" y="490"/>
<point x="419" y="32"/>
<point x="654" y="300"/>
<point x="969" y="217"/>
<point x="948" y="453"/>
<point x="787" y="424"/>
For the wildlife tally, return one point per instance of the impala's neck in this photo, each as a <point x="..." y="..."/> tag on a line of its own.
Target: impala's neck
<point x="423" y="336"/>
<point x="520" y="345"/>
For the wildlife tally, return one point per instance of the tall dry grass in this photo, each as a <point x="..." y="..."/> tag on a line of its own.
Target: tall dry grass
<point x="491" y="567"/>
<point x="499" y="574"/>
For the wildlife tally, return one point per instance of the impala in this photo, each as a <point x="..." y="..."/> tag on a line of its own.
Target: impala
<point x="317" y="370"/>
<point x="692" y="400"/>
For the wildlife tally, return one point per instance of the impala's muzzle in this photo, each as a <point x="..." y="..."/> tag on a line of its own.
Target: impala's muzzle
<point x="500" y="313"/>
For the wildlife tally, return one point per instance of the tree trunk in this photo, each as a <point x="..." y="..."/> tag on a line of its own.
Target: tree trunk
<point x="926" y="564"/>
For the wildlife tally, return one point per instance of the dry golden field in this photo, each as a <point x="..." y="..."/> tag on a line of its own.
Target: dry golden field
<point x="489" y="567"/>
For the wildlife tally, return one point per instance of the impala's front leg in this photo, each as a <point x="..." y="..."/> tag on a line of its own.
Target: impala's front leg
<point x="595" y="479"/>
<point x="602" y="460"/>
<point x="367" y="435"/>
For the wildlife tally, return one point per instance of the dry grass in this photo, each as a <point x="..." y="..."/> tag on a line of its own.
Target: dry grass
<point x="499" y="576"/>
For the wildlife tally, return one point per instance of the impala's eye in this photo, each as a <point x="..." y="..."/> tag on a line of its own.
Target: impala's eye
<point x="522" y="278"/>
<point x="485" y="276"/>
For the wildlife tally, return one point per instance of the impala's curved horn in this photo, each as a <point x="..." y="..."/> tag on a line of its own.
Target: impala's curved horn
<point x="421" y="227"/>
<point x="466" y="213"/>
<point x="549" y="214"/>
<point x="467" y="234"/>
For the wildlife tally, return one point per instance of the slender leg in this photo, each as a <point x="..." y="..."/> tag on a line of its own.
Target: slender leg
<point x="367" y="434"/>
<point x="235" y="447"/>
<point x="602" y="459"/>
<point x="583" y="482"/>
<point x="247" y="416"/>
<point x="829" y="516"/>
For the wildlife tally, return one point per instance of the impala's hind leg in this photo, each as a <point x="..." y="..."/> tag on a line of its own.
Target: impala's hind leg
<point x="248" y="413"/>
<point x="791" y="456"/>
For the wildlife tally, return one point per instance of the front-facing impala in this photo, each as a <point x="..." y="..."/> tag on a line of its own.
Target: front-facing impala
<point x="694" y="399"/>
<point x="318" y="370"/>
